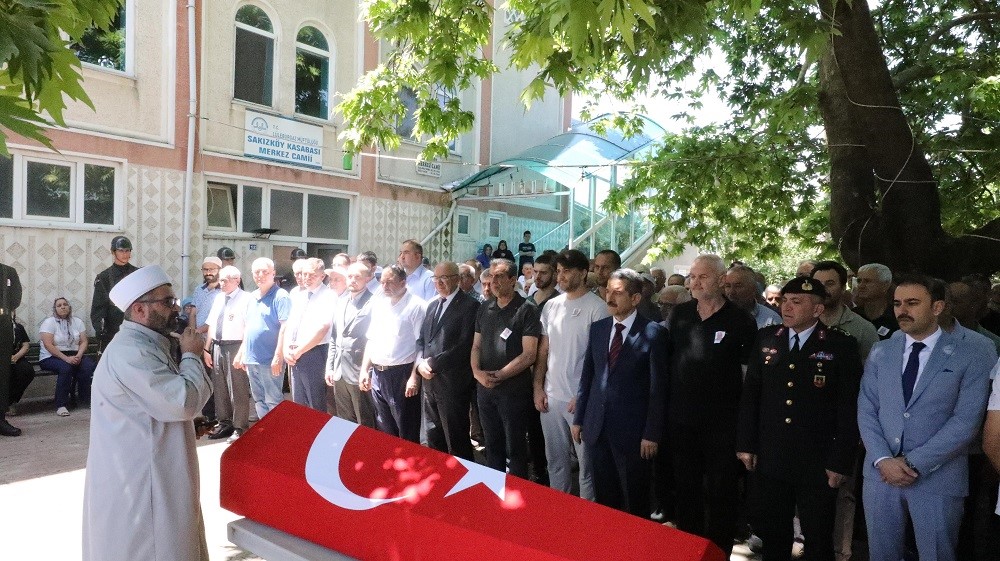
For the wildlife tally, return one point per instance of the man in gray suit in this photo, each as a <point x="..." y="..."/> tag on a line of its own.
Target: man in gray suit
<point x="922" y="400"/>
<point x="351" y="319"/>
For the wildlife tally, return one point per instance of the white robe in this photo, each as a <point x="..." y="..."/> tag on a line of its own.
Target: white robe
<point x="141" y="497"/>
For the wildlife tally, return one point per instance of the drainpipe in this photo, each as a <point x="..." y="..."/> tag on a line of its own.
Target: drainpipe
<point x="445" y="222"/>
<point x="189" y="171"/>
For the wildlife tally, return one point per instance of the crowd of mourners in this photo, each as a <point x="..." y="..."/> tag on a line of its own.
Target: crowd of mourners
<point x="827" y="410"/>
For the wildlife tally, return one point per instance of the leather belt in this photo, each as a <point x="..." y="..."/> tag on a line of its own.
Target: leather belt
<point x="383" y="368"/>
<point x="232" y="342"/>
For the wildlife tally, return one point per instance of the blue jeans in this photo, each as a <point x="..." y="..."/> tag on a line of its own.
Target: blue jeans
<point x="265" y="388"/>
<point x="66" y="373"/>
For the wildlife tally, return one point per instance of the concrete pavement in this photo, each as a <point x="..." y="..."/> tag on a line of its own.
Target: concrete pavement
<point x="41" y="488"/>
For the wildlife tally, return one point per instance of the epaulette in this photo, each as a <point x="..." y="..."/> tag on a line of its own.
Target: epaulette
<point x="839" y="330"/>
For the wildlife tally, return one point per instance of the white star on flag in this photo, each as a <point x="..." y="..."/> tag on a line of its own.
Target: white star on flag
<point x="495" y="480"/>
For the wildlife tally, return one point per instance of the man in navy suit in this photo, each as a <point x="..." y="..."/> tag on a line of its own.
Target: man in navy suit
<point x="922" y="400"/>
<point x="620" y="407"/>
<point x="444" y="346"/>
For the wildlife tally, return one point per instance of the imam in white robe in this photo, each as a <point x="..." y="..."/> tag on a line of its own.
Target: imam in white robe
<point x="141" y="497"/>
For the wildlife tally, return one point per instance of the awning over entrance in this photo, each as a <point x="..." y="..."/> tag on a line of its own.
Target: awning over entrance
<point x="569" y="158"/>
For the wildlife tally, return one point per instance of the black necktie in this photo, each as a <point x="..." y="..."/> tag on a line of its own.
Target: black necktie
<point x="440" y="312"/>
<point x="795" y="343"/>
<point x="616" y="345"/>
<point x="911" y="370"/>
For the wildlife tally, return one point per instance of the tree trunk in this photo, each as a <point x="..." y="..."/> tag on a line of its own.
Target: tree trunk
<point x="885" y="205"/>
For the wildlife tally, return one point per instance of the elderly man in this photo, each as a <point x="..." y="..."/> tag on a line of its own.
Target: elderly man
<point x="141" y="491"/>
<point x="660" y="276"/>
<point x="619" y="409"/>
<point x="485" y="280"/>
<point x="740" y="287"/>
<point x="873" y="299"/>
<point x="387" y="367"/>
<point x="676" y="280"/>
<point x="351" y="320"/>
<point x="306" y="335"/>
<point x="467" y="279"/>
<point x="711" y="340"/>
<point x="418" y="278"/>
<point x="103" y="314"/>
<point x="772" y="295"/>
<point x="260" y="354"/>
<point x="503" y="349"/>
<point x="227" y="323"/>
<point x="566" y="321"/>
<point x="968" y="303"/>
<point x="444" y="347"/>
<point x="669" y="298"/>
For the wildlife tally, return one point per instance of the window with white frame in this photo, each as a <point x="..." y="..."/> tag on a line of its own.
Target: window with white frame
<point x="462" y="224"/>
<point x="70" y="191"/>
<point x="109" y="48"/>
<point x="254" y="61"/>
<point x="494" y="226"/>
<point x="312" y="73"/>
<point x="295" y="213"/>
<point x="408" y="123"/>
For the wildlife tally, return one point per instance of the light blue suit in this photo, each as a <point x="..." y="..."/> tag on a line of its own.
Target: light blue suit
<point x="933" y="431"/>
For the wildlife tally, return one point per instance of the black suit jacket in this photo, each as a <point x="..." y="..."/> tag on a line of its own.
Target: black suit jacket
<point x="10" y="290"/>
<point x="627" y="401"/>
<point x="798" y="412"/>
<point x="447" y="344"/>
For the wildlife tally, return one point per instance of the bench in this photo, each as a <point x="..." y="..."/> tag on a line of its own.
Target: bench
<point x="34" y="349"/>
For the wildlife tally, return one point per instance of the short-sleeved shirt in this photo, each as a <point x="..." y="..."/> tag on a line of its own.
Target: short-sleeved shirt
<point x="203" y="298"/>
<point x="265" y="314"/>
<point x="65" y="334"/>
<point x="501" y="329"/>
<point x="522" y="258"/>
<point x="885" y="324"/>
<point x="392" y="334"/>
<point x="567" y="325"/>
<point x="706" y="360"/>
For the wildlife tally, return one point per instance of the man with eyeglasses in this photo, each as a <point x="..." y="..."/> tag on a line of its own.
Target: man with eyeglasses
<point x="444" y="346"/>
<point x="305" y="337"/>
<point x="103" y="314"/>
<point x="141" y="498"/>
<point x="227" y="322"/>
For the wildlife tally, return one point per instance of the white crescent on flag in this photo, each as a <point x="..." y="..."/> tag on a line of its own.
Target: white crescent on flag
<point x="323" y="470"/>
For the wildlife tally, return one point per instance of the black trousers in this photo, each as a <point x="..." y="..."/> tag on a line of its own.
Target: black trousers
<point x="446" y="399"/>
<point x="7" y="343"/>
<point x="21" y="375"/>
<point x="395" y="413"/>
<point x="621" y="476"/>
<point x="504" y="412"/>
<point x="775" y="502"/>
<point x="705" y="474"/>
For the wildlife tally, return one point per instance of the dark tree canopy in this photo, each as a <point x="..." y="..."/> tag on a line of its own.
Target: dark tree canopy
<point x="871" y="133"/>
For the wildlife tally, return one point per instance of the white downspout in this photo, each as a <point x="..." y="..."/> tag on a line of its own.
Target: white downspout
<point x="189" y="170"/>
<point x="445" y="222"/>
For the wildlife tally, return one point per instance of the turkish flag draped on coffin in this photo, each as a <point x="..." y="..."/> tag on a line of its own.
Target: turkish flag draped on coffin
<point x="377" y="497"/>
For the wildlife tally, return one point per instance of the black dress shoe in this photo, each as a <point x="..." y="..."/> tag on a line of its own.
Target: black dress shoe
<point x="7" y="429"/>
<point x="224" y="430"/>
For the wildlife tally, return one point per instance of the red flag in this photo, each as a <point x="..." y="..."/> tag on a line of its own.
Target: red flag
<point x="377" y="497"/>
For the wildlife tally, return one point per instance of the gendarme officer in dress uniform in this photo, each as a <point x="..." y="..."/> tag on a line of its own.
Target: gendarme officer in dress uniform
<point x="105" y="317"/>
<point x="798" y="424"/>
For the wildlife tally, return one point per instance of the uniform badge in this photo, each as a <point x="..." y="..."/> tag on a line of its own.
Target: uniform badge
<point x="807" y="286"/>
<point x="819" y="381"/>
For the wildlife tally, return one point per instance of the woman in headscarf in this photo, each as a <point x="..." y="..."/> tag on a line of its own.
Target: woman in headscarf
<point x="63" y="351"/>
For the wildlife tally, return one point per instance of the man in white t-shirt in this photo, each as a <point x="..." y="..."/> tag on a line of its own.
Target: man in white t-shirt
<point x="566" y="323"/>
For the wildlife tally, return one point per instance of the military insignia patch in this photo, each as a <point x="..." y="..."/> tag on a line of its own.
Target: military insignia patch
<point x="819" y="381"/>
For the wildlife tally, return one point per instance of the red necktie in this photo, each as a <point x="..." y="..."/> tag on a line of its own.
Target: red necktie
<point x="616" y="345"/>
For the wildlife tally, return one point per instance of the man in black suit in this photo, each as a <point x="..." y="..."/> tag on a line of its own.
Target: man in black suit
<point x="10" y="299"/>
<point x="348" y="337"/>
<point x="619" y="409"/>
<point x="798" y="422"/>
<point x="444" y="347"/>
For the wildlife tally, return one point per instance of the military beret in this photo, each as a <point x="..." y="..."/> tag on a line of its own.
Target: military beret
<point x="804" y="285"/>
